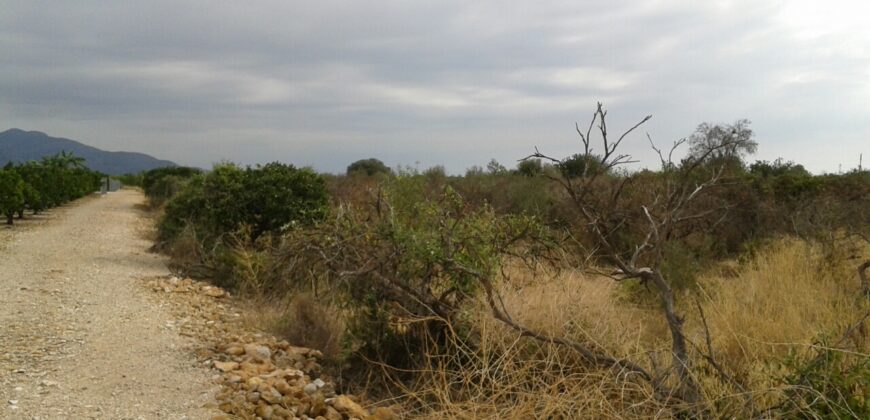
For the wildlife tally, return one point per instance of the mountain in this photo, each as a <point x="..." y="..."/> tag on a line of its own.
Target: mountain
<point x="20" y="146"/>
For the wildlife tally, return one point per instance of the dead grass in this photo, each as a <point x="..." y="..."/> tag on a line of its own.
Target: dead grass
<point x="758" y="312"/>
<point x="301" y="320"/>
<point x="784" y="300"/>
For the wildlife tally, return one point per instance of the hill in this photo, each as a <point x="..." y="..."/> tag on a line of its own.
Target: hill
<point x="20" y="146"/>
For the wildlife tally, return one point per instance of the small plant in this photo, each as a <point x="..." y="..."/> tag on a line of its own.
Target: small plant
<point x="828" y="383"/>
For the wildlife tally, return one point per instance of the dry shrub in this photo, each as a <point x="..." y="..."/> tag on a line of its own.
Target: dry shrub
<point x="185" y="252"/>
<point x="758" y="313"/>
<point x="309" y="323"/>
<point x="497" y="374"/>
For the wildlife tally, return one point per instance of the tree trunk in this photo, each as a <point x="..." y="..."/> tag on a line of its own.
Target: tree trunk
<point x="688" y="388"/>
<point x="10" y="218"/>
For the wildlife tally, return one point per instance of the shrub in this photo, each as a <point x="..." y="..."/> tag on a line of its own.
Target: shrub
<point x="368" y="167"/>
<point x="278" y="195"/>
<point x="11" y="194"/>
<point x="833" y="383"/>
<point x="161" y="184"/>
<point x="406" y="270"/>
<point x="223" y="225"/>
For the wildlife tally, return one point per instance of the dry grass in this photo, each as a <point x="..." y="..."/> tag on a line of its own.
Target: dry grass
<point x="302" y="320"/>
<point x="785" y="299"/>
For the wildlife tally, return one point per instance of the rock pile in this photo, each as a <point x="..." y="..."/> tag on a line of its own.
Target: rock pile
<point x="260" y="375"/>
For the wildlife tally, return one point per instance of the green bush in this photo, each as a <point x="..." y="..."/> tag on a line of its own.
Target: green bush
<point x="368" y="167"/>
<point x="264" y="199"/>
<point x="406" y="270"/>
<point x="41" y="185"/>
<point x="833" y="383"/>
<point x="11" y="194"/>
<point x="161" y="184"/>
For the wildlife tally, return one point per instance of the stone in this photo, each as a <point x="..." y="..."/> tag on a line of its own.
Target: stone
<point x="349" y="407"/>
<point x="310" y="388"/>
<point x="265" y="412"/>
<point x="258" y="352"/>
<point x="319" y="383"/>
<point x="283" y="387"/>
<point x="332" y="414"/>
<point x="282" y="412"/>
<point x="235" y="350"/>
<point x="213" y="292"/>
<point x="226" y="366"/>
<point x="253" y="383"/>
<point x="270" y="395"/>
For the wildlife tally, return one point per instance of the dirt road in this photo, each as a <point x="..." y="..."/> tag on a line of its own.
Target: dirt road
<point x="78" y="338"/>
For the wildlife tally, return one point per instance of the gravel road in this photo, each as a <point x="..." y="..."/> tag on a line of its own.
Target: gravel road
<point x="78" y="338"/>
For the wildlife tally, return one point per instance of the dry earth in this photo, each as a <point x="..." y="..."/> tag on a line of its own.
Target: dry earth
<point x="94" y="326"/>
<point x="77" y="338"/>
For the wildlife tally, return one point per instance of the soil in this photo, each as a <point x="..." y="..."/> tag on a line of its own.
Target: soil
<point x="78" y="339"/>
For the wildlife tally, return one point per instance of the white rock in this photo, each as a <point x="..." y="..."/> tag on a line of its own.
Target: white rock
<point x="310" y="388"/>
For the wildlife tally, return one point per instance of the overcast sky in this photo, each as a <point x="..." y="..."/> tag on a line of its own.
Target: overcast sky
<point x="420" y="83"/>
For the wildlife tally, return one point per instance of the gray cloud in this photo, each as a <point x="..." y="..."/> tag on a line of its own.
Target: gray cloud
<point x="451" y="83"/>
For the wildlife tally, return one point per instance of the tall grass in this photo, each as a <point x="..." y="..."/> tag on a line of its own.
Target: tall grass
<point x="765" y="318"/>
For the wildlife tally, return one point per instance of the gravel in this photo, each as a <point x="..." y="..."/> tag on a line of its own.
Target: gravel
<point x="77" y="337"/>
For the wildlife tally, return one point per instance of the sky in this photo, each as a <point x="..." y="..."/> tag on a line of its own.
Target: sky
<point x="422" y="83"/>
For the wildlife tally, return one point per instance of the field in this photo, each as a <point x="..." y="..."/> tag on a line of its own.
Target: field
<point x="564" y="288"/>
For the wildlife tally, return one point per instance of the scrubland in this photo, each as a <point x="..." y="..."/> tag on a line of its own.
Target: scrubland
<point x="566" y="288"/>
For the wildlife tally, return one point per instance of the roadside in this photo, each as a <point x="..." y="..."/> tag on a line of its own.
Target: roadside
<point x="77" y="338"/>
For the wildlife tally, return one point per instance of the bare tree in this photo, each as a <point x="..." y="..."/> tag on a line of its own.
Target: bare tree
<point x="673" y="204"/>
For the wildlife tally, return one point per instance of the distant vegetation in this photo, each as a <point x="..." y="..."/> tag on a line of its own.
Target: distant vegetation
<point x="368" y="167"/>
<point x="566" y="287"/>
<point x="37" y="186"/>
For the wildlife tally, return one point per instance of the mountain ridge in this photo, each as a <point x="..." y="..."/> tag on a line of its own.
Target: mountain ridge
<point x="17" y="145"/>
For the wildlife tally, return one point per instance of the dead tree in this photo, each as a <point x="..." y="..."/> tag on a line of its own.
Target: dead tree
<point x="672" y="206"/>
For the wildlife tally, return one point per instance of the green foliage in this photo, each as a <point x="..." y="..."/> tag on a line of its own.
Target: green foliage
<point x="407" y="268"/>
<point x="530" y="167"/>
<point x="579" y="165"/>
<point x="278" y="195"/>
<point x="161" y="184"/>
<point x="831" y="384"/>
<point x="368" y="167"/>
<point x="41" y="185"/>
<point x="719" y="142"/>
<point x="11" y="193"/>
<point x="265" y="199"/>
<point x="495" y="168"/>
